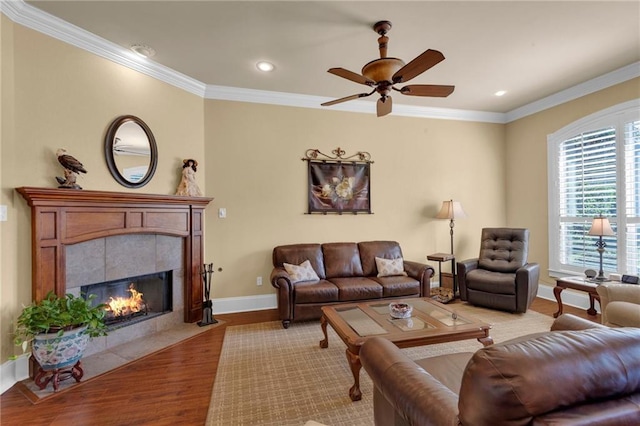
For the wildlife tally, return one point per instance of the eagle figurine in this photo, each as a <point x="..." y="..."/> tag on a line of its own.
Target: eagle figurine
<point x="71" y="168"/>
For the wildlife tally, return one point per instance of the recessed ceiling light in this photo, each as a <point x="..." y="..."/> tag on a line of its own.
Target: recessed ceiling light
<point x="500" y="93"/>
<point x="143" y="50"/>
<point x="265" y="66"/>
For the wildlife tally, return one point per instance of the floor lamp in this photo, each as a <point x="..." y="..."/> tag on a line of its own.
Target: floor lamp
<point x="452" y="210"/>
<point x="600" y="227"/>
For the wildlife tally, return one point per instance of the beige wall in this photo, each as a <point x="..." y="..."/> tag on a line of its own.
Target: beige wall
<point x="66" y="97"/>
<point x="254" y="170"/>
<point x="526" y="168"/>
<point x="8" y="270"/>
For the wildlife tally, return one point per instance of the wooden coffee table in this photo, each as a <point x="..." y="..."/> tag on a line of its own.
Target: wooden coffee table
<point x="430" y="323"/>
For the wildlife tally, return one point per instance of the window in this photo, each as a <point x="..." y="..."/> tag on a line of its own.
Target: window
<point x="594" y="168"/>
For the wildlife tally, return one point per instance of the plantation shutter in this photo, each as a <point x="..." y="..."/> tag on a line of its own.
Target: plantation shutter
<point x="632" y="196"/>
<point x="587" y="188"/>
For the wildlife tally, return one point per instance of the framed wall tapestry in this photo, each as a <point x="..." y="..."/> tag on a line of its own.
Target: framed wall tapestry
<point x="338" y="184"/>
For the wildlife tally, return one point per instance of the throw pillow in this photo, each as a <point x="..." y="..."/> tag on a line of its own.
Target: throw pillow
<point x="390" y="267"/>
<point x="302" y="272"/>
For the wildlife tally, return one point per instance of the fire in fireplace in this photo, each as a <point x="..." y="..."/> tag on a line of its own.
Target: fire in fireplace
<point x="133" y="299"/>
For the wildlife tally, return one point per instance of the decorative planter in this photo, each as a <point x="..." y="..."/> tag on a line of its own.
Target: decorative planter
<point x="59" y="356"/>
<point x="53" y="352"/>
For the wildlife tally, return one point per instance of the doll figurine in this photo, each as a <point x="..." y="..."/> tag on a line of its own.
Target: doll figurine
<point x="188" y="185"/>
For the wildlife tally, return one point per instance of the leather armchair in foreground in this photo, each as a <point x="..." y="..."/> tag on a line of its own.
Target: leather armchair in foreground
<point x="500" y="278"/>
<point x="570" y="376"/>
<point x="620" y="304"/>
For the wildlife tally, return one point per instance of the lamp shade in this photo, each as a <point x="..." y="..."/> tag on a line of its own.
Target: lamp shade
<point x="600" y="226"/>
<point x="451" y="210"/>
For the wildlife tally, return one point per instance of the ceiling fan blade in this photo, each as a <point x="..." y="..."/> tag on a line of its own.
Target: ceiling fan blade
<point x="433" y="90"/>
<point x="383" y="107"/>
<point x="350" y="75"/>
<point x="419" y="65"/>
<point x="347" y="98"/>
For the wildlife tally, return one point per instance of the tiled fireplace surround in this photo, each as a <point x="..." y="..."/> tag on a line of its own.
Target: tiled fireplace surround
<point x="84" y="237"/>
<point x="124" y="256"/>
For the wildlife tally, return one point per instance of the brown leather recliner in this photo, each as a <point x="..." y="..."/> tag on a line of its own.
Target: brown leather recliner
<point x="500" y="278"/>
<point x="573" y="376"/>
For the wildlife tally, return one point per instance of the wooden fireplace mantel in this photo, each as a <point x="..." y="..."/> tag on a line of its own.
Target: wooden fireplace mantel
<point x="60" y="217"/>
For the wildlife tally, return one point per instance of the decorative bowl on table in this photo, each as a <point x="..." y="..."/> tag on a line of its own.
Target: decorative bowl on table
<point x="400" y="310"/>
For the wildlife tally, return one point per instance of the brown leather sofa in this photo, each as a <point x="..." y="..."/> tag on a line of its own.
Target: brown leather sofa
<point x="581" y="373"/>
<point x="347" y="273"/>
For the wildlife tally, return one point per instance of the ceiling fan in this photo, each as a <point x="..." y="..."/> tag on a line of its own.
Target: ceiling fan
<point x="382" y="74"/>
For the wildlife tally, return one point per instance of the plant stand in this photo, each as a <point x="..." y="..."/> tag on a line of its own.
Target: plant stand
<point x="43" y="377"/>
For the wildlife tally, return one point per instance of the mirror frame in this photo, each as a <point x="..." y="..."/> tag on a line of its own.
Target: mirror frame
<point x="108" y="151"/>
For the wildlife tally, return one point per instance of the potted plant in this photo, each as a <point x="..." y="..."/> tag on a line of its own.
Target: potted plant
<point x="59" y="328"/>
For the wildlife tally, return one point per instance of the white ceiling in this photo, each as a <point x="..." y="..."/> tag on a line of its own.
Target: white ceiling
<point x="530" y="49"/>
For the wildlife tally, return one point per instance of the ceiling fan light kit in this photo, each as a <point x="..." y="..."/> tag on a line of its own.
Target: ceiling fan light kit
<point x="383" y="73"/>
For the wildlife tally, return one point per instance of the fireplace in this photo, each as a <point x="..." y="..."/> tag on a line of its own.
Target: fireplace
<point x="85" y="237"/>
<point x="61" y="218"/>
<point x="134" y="299"/>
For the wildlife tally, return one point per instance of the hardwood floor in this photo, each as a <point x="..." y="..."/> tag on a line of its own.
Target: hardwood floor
<point x="170" y="387"/>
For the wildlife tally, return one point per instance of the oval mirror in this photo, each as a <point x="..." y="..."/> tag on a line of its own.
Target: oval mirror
<point x="131" y="151"/>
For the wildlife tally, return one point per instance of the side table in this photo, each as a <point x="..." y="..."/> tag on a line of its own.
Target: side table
<point x="444" y="257"/>
<point x="580" y="284"/>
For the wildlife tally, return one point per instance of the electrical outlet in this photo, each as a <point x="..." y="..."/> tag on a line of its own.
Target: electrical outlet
<point x="3" y="213"/>
<point x="222" y="213"/>
<point x="259" y="281"/>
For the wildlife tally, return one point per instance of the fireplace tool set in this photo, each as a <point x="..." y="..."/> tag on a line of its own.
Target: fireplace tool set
<point x="207" y="312"/>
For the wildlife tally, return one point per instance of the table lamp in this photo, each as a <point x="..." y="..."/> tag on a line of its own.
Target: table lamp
<point x="599" y="227"/>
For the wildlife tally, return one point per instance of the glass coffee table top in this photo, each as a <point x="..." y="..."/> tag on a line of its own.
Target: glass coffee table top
<point x="368" y="319"/>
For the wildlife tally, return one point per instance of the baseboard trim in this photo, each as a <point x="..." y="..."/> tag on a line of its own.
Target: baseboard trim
<point x="13" y="371"/>
<point x="569" y="297"/>
<point x="232" y="305"/>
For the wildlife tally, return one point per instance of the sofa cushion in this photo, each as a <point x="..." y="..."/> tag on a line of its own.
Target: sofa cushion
<point x="490" y="282"/>
<point x="342" y="260"/>
<point x="390" y="267"/>
<point x="302" y="272"/>
<point x="625" y="314"/>
<point x="315" y="292"/>
<point x="550" y="372"/>
<point x="295" y="254"/>
<point x="357" y="288"/>
<point x="369" y="250"/>
<point x="398" y="285"/>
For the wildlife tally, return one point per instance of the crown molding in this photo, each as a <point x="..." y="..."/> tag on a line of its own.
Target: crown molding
<point x="225" y="93"/>
<point x="607" y="80"/>
<point x="31" y="17"/>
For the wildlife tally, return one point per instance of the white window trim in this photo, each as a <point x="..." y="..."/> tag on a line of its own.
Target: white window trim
<point x="615" y="115"/>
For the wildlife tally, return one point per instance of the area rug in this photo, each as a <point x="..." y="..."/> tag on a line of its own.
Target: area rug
<point x="271" y="376"/>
